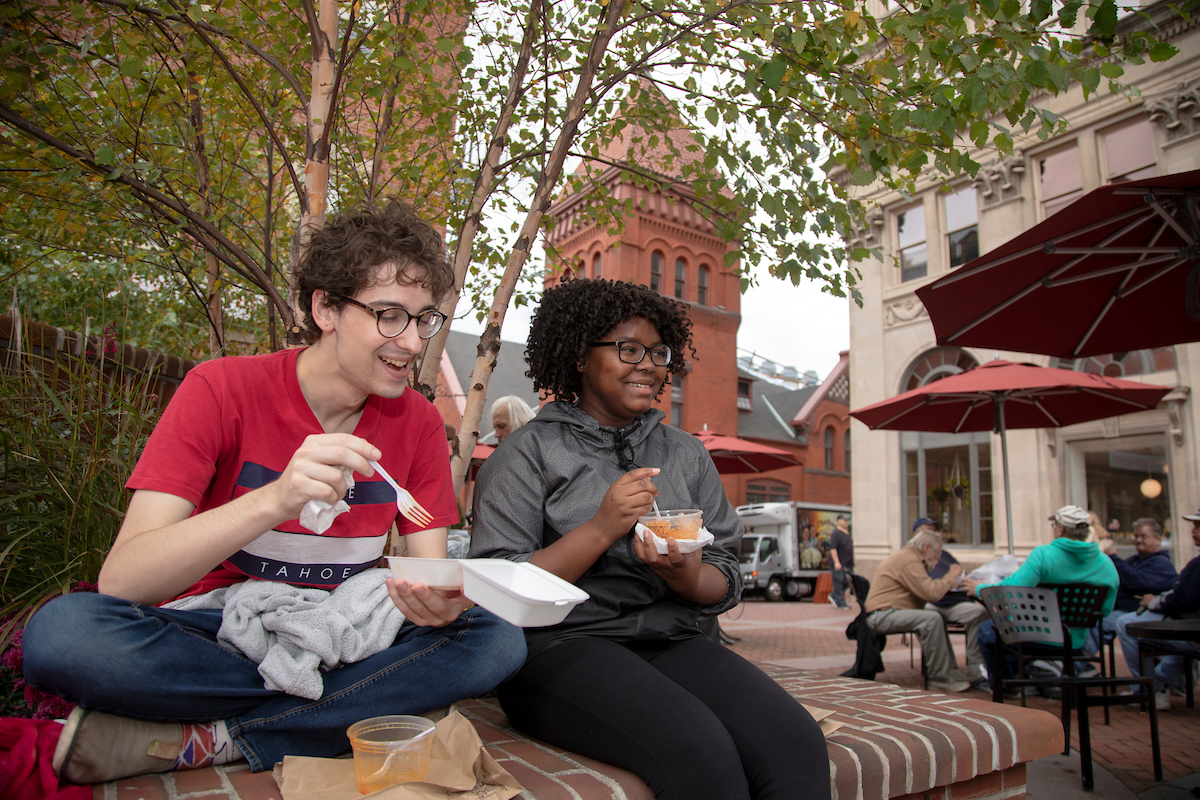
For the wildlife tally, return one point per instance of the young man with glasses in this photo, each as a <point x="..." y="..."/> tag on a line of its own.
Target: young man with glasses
<point x="218" y="540"/>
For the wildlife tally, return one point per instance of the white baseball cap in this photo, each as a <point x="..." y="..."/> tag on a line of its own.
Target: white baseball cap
<point x="1071" y="517"/>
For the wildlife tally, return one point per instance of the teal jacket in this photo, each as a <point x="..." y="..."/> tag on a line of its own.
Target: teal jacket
<point x="1067" y="561"/>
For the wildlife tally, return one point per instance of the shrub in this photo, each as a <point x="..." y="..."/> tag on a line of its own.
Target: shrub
<point x="71" y="429"/>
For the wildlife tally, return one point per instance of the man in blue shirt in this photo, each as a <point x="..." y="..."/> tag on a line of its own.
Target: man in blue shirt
<point x="1182" y="600"/>
<point x="1148" y="571"/>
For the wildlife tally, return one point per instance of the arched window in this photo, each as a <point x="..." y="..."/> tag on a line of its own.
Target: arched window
<point x="847" y="446"/>
<point x="941" y="362"/>
<point x="596" y="266"/>
<point x="1122" y="365"/>
<point x="680" y="275"/>
<point x="829" y="447"/>
<point x="656" y="261"/>
<point x="947" y="476"/>
<point x="702" y="286"/>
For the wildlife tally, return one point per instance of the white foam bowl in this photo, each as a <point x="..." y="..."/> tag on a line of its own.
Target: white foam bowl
<point x="519" y="592"/>
<point x="439" y="573"/>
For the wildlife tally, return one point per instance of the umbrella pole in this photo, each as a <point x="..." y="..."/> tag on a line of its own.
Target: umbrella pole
<point x="999" y="427"/>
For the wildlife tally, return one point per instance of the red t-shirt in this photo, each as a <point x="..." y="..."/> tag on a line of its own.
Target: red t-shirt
<point x="233" y="426"/>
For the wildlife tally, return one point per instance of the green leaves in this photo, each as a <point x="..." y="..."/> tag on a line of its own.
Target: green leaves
<point x="772" y="73"/>
<point x="1104" y="19"/>
<point x="763" y="114"/>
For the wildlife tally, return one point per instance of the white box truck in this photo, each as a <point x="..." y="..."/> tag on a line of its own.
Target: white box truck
<point x="772" y="546"/>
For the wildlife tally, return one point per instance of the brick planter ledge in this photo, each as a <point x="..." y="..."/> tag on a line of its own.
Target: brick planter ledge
<point x="892" y="743"/>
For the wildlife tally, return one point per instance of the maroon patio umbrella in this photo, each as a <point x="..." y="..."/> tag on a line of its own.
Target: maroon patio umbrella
<point x="1117" y="270"/>
<point x="734" y="455"/>
<point x="1000" y="395"/>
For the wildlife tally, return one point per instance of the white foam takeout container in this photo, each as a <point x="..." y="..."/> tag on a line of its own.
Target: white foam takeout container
<point x="519" y="592"/>
<point x="440" y="573"/>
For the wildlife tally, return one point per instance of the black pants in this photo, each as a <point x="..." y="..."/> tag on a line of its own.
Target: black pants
<point x="691" y="719"/>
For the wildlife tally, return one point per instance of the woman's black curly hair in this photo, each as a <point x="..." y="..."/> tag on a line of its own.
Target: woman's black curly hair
<point x="579" y="311"/>
<point x="343" y="256"/>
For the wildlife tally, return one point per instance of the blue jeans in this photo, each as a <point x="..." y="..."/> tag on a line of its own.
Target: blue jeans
<point x="1110" y="626"/>
<point x="840" y="578"/>
<point x="988" y="644"/>
<point x="1169" y="672"/>
<point x="154" y="663"/>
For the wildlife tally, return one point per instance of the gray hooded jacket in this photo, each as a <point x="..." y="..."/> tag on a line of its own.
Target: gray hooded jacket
<point x="550" y="476"/>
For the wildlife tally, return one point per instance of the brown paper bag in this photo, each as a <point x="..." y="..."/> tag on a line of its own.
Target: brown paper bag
<point x="459" y="767"/>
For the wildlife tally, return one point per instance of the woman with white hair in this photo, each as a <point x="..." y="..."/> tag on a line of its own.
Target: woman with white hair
<point x="509" y="413"/>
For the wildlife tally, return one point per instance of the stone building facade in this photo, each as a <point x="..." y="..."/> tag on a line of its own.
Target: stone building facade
<point x="1142" y="464"/>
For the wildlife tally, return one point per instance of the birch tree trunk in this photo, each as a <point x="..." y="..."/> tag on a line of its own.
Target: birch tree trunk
<point x="489" y="344"/>
<point x="313" y="203"/>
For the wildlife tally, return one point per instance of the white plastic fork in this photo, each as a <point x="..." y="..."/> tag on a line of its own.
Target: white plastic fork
<point x="405" y="502"/>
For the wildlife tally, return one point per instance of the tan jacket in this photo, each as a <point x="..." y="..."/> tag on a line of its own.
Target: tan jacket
<point x="902" y="581"/>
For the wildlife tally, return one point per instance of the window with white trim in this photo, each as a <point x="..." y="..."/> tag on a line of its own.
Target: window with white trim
<point x="1129" y="151"/>
<point x="1061" y="178"/>
<point x="962" y="225"/>
<point x="911" y="243"/>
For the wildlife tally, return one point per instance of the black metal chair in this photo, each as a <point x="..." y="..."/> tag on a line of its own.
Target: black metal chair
<point x="1032" y="623"/>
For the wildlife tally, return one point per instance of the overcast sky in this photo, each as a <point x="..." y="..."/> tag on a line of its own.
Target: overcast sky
<point x="797" y="326"/>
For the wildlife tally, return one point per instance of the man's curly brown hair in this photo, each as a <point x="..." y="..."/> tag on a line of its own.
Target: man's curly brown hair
<point x="579" y="311"/>
<point x="345" y="256"/>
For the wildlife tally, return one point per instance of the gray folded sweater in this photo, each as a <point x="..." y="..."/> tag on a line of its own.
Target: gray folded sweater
<point x="293" y="633"/>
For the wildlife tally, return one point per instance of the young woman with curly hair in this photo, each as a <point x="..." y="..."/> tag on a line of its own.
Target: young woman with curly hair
<point x="629" y="677"/>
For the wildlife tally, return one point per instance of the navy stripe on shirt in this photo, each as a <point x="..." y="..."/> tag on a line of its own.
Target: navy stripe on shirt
<point x="364" y="492"/>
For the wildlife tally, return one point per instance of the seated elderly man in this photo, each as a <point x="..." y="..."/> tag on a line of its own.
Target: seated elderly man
<point x="1070" y="558"/>
<point x="958" y="607"/>
<point x="1148" y="571"/>
<point x="896" y="604"/>
<point x="1182" y="600"/>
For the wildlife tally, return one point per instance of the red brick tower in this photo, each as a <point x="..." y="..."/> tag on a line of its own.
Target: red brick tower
<point x="667" y="245"/>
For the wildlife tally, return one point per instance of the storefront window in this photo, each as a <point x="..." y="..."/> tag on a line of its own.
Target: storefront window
<point x="1121" y="480"/>
<point x="952" y="484"/>
<point x="947" y="476"/>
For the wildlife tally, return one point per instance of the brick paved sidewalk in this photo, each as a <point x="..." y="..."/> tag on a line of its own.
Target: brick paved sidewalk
<point x="812" y="636"/>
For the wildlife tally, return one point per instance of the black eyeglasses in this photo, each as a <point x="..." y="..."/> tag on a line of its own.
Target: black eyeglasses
<point x="634" y="352"/>
<point x="393" y="321"/>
